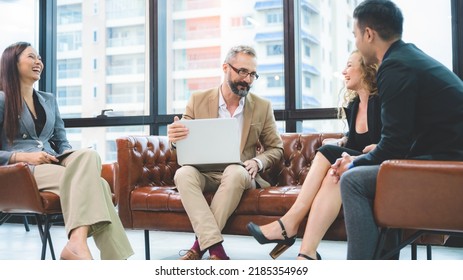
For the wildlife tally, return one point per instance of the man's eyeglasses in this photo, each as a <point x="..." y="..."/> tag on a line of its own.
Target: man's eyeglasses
<point x="244" y="73"/>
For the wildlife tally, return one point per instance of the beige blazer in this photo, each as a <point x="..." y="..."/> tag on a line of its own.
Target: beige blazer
<point x="258" y="125"/>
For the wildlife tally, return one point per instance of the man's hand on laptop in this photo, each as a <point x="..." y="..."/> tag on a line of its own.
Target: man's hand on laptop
<point x="176" y="131"/>
<point x="252" y="167"/>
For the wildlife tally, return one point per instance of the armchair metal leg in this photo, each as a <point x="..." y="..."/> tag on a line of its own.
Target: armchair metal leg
<point x="414" y="251"/>
<point x="47" y="227"/>
<point x="26" y="224"/>
<point x="4" y="217"/>
<point x="380" y="244"/>
<point x="429" y="251"/>
<point x="147" y="244"/>
<point x="43" y="236"/>
<point x="391" y="253"/>
<point x="44" y="230"/>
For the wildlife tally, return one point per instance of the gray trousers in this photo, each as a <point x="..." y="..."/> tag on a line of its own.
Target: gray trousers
<point x="86" y="201"/>
<point x="358" y="188"/>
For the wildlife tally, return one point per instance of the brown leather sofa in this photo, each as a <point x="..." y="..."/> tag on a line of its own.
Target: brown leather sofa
<point x="148" y="199"/>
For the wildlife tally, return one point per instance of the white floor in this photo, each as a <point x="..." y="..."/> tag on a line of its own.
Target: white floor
<point x="17" y="244"/>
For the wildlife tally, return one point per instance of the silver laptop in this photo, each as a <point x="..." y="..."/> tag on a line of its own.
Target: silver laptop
<point x="211" y="145"/>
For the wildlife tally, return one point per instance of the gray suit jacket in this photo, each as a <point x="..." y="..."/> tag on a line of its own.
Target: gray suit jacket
<point x="258" y="125"/>
<point x="27" y="139"/>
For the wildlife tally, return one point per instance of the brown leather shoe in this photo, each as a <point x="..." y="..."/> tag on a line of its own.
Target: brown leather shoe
<point x="190" y="255"/>
<point x="215" y="258"/>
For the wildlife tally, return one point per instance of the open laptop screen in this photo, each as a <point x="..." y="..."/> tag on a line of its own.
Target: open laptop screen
<point x="211" y="144"/>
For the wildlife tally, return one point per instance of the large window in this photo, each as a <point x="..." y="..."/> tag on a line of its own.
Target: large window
<point x="198" y="35"/>
<point x="102" y="64"/>
<point x="196" y="43"/>
<point x="14" y="28"/>
<point x="324" y="42"/>
<point x="142" y="59"/>
<point x="430" y="29"/>
<point x="101" y="55"/>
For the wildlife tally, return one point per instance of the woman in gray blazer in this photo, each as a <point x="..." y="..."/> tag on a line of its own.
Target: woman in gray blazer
<point x="32" y="131"/>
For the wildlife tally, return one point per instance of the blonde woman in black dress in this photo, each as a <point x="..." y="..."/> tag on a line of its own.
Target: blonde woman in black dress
<point x="320" y="193"/>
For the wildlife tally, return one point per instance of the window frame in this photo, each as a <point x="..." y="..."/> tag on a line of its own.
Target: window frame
<point x="157" y="118"/>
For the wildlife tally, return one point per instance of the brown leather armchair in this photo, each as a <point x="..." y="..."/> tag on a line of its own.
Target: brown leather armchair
<point x="424" y="198"/>
<point x="19" y="195"/>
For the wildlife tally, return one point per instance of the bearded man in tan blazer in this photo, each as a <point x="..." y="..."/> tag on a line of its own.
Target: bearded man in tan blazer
<point x="257" y="122"/>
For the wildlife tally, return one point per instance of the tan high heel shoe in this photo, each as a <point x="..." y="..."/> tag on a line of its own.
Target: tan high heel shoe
<point x="68" y="254"/>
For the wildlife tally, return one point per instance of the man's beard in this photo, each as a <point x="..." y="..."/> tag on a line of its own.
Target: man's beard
<point x="240" y="92"/>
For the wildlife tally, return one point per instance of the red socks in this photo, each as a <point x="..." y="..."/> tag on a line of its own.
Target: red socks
<point x="218" y="251"/>
<point x="197" y="249"/>
<point x="215" y="250"/>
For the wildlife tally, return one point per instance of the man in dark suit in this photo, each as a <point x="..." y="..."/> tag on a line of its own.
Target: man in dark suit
<point x="421" y="112"/>
<point x="255" y="117"/>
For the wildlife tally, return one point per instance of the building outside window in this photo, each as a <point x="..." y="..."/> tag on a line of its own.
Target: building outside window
<point x="112" y="72"/>
<point x="14" y="28"/>
<point x="102" y="63"/>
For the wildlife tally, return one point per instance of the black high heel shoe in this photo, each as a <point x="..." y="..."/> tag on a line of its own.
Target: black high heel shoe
<point x="282" y="244"/>
<point x="319" y="258"/>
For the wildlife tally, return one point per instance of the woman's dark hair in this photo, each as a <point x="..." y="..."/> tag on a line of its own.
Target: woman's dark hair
<point x="9" y="84"/>
<point x="383" y="16"/>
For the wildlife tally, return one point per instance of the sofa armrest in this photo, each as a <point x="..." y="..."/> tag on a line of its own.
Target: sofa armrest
<point x="418" y="194"/>
<point x="110" y="172"/>
<point x="143" y="161"/>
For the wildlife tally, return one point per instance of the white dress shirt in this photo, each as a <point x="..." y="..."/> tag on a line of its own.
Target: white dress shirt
<point x="238" y="114"/>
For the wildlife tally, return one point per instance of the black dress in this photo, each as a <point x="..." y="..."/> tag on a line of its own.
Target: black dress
<point x="357" y="142"/>
<point x="332" y="152"/>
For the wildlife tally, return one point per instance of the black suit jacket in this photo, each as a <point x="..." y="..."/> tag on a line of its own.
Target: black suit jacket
<point x="421" y="108"/>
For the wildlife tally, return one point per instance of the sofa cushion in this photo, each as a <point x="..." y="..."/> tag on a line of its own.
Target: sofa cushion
<point x="270" y="201"/>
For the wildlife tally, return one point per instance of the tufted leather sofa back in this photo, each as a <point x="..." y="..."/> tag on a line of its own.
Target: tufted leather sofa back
<point x="149" y="161"/>
<point x="299" y="151"/>
<point x="153" y="162"/>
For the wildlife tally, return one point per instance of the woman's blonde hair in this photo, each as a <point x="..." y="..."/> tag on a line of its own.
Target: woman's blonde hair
<point x="368" y="79"/>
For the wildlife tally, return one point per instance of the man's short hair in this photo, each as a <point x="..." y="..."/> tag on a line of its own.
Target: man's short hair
<point x="234" y="51"/>
<point x="383" y="16"/>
